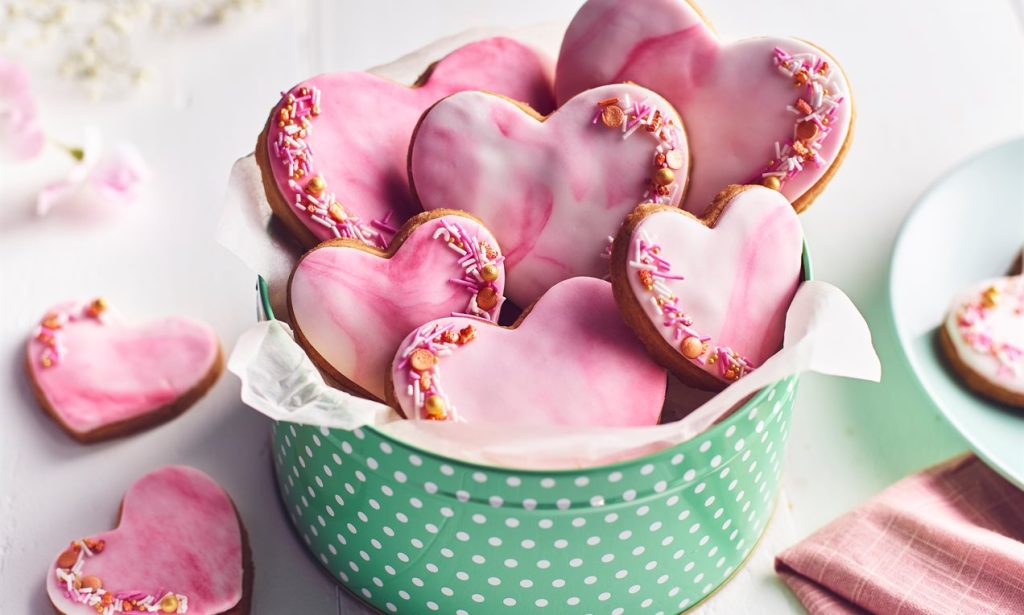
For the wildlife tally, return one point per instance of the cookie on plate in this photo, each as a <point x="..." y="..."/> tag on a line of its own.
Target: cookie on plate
<point x="982" y="339"/>
<point x="568" y="360"/>
<point x="333" y="151"/>
<point x="100" y="378"/>
<point x="552" y="189"/>
<point x="351" y="304"/>
<point x="708" y="296"/>
<point x="179" y="547"/>
<point x="771" y="110"/>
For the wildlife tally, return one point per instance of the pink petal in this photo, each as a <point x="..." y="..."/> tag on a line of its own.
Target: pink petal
<point x="119" y="172"/>
<point x="21" y="137"/>
<point x="52" y="194"/>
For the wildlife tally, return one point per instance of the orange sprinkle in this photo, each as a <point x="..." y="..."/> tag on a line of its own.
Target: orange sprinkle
<point x="613" y="117"/>
<point x="467" y="334"/>
<point x="647" y="279"/>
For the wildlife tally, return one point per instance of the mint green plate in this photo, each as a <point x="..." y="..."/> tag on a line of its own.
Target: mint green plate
<point x="967" y="227"/>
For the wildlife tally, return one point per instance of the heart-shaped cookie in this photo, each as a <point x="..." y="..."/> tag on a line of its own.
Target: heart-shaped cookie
<point x="983" y="338"/>
<point x="552" y="189"/>
<point x="333" y="151"/>
<point x="770" y="110"/>
<point x="708" y="297"/>
<point x="100" y="378"/>
<point x="352" y="304"/>
<point x="568" y="360"/>
<point x="179" y="547"/>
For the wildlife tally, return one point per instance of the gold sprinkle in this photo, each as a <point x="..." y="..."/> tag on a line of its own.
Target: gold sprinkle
<point x="434" y="406"/>
<point x="772" y="182"/>
<point x="337" y="212"/>
<point x="489" y="272"/>
<point x="169" y="603"/>
<point x="990" y="297"/>
<point x="316" y="185"/>
<point x="664" y="176"/>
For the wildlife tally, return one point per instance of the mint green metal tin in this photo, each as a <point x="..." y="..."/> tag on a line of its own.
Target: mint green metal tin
<point x="409" y="531"/>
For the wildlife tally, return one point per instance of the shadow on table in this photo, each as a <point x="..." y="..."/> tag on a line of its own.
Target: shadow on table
<point x="895" y="419"/>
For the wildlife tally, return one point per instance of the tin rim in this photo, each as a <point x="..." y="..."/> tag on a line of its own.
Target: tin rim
<point x="263" y="289"/>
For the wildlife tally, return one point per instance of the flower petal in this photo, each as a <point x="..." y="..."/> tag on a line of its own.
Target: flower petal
<point x="21" y="136"/>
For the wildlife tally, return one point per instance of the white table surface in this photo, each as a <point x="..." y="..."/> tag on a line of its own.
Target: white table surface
<point x="934" y="81"/>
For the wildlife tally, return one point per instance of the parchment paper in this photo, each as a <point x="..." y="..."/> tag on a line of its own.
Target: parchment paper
<point x="824" y="333"/>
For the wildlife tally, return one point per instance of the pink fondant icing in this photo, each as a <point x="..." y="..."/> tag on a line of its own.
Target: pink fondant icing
<point x="110" y="372"/>
<point x="552" y="191"/>
<point x="571" y="361"/>
<point x="739" y="277"/>
<point x="361" y="136"/>
<point x="989" y="335"/>
<point x="734" y="100"/>
<point x="353" y="307"/>
<point x="178" y="533"/>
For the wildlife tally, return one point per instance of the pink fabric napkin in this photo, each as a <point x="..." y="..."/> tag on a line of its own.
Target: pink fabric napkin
<point x="946" y="540"/>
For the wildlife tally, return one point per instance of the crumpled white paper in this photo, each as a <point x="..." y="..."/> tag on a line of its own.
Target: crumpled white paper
<point x="824" y="333"/>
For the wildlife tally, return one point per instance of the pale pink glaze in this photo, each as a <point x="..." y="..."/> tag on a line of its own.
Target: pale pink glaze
<point x="990" y="340"/>
<point x="354" y="307"/>
<point x="361" y="137"/>
<point x="552" y="191"/>
<point x="113" y="372"/>
<point x="178" y="533"/>
<point x="572" y="361"/>
<point x="731" y="96"/>
<point x="740" y="276"/>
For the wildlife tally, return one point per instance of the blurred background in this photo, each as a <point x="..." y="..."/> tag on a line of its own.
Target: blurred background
<point x="934" y="82"/>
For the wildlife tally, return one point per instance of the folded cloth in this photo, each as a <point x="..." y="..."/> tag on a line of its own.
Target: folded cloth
<point x="945" y="540"/>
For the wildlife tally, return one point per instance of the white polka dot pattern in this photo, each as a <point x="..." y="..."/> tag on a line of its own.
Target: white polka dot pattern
<point x="410" y="532"/>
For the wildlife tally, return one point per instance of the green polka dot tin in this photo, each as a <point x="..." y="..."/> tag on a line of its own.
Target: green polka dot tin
<point x="409" y="531"/>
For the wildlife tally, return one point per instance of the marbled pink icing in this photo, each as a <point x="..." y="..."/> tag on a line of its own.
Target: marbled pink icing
<point x="361" y="137"/>
<point x="740" y="276"/>
<point x="354" y="307"/>
<point x="572" y="361"/>
<point x="990" y="340"/>
<point x="113" y="372"/>
<point x="731" y="95"/>
<point x="178" y="533"/>
<point x="552" y="191"/>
